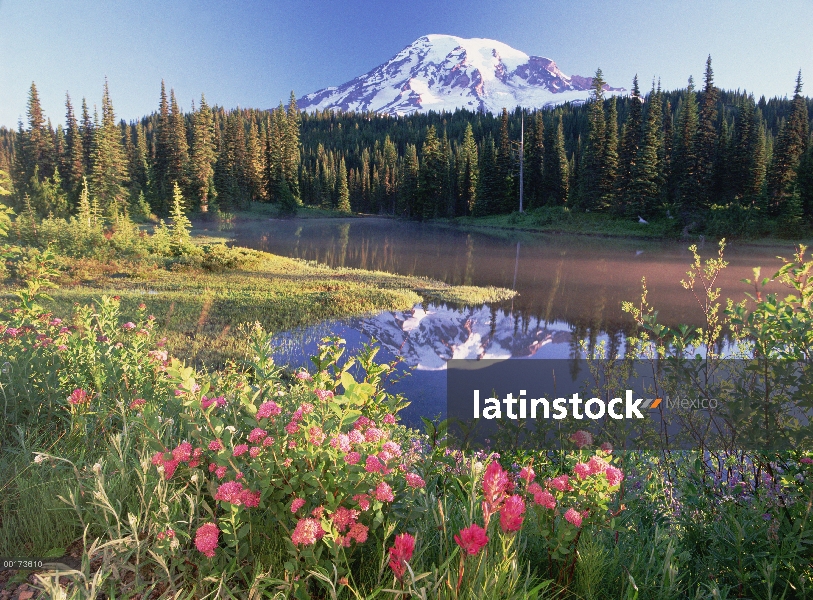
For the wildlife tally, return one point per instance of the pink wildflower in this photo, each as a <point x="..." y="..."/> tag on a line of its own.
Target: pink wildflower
<point x="316" y="436"/>
<point x="137" y="403"/>
<point x="598" y="465"/>
<point x="414" y="480"/>
<point x="356" y="437"/>
<point x="582" y="470"/>
<point x="806" y="460"/>
<point x="255" y="451"/>
<point x="363" y="501"/>
<point x="560" y="483"/>
<point x="607" y="448"/>
<point x="358" y="532"/>
<point x="318" y="512"/>
<point x="545" y="498"/>
<point x="472" y="539"/>
<point x="323" y="395"/>
<point x="511" y="513"/>
<point x="183" y="452"/>
<point x="79" y="396"/>
<point x="581" y="438"/>
<point x="240" y="449"/>
<point x="401" y="553"/>
<point x="292" y="427"/>
<point x="383" y="492"/>
<point x="268" y="409"/>
<point x="342" y="442"/>
<point x="169" y="468"/>
<point x="352" y="458"/>
<point x="304" y="376"/>
<point x="343" y="518"/>
<point x="495" y="484"/>
<point x="527" y="474"/>
<point x="614" y="476"/>
<point x="373" y="464"/>
<point x="307" y="531"/>
<point x="269" y="441"/>
<point x="257" y="434"/>
<point x="157" y="459"/>
<point x="573" y="517"/>
<point x="212" y="467"/>
<point x="389" y="419"/>
<point x="392" y="448"/>
<point x="306" y="408"/>
<point x="250" y="499"/>
<point x="215" y="445"/>
<point x="128" y="326"/>
<point x="206" y="539"/>
<point x="231" y="492"/>
<point x="297" y="504"/>
<point x="220" y="472"/>
<point x="374" y="434"/>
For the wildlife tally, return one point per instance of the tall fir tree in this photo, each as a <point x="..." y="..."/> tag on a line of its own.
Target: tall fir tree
<point x="178" y="165"/>
<point x="644" y="189"/>
<point x="630" y="142"/>
<point x="468" y="172"/>
<point x="74" y="164"/>
<point x="342" y="191"/>
<point x="202" y="156"/>
<point x="610" y="163"/>
<point x="87" y="131"/>
<point x="432" y="175"/>
<point x="791" y="144"/>
<point x="706" y="146"/>
<point x="593" y="166"/>
<point x="684" y="170"/>
<point x="556" y="178"/>
<point x="108" y="172"/>
<point x="504" y="175"/>
<point x="535" y="161"/>
<point x="163" y="154"/>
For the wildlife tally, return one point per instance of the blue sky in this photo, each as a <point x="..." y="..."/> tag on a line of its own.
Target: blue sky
<point x="254" y="53"/>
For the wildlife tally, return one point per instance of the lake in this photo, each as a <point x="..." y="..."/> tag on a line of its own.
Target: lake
<point x="570" y="289"/>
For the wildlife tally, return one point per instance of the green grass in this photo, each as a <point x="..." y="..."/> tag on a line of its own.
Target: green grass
<point x="201" y="310"/>
<point x="562" y="221"/>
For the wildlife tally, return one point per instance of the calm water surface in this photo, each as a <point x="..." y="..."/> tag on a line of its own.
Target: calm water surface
<point x="570" y="289"/>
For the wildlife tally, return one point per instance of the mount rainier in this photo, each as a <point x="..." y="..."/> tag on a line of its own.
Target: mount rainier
<point x="445" y="72"/>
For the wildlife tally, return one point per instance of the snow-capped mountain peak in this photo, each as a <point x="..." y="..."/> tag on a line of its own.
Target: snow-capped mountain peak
<point x="446" y="72"/>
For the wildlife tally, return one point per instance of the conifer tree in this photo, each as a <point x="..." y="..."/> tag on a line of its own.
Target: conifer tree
<point x="108" y="173"/>
<point x="430" y="186"/>
<point x="163" y="153"/>
<point x="36" y="147"/>
<point x="535" y="161"/>
<point x="504" y="175"/>
<point x="408" y="189"/>
<point x="556" y="179"/>
<point x="684" y="171"/>
<point x="343" y="191"/>
<point x="178" y="166"/>
<point x="74" y="165"/>
<point x="180" y="239"/>
<point x="644" y="190"/>
<point x="630" y="142"/>
<point x="610" y="163"/>
<point x="791" y="144"/>
<point x="87" y="132"/>
<point x="292" y="155"/>
<point x="593" y="165"/>
<point x="468" y="172"/>
<point x="805" y="183"/>
<point x="202" y="155"/>
<point x="706" y="147"/>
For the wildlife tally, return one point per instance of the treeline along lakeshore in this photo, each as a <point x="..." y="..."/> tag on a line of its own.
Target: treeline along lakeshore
<point x="701" y="159"/>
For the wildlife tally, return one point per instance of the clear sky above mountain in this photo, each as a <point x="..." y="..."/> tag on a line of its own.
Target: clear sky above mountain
<point x="254" y="53"/>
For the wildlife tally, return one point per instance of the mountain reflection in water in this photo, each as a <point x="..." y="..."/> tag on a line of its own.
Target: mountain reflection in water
<point x="570" y="289"/>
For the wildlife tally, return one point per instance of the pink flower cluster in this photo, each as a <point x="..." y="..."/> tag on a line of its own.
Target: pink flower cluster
<point x="307" y="532"/>
<point x="205" y="402"/>
<point x="268" y="409"/>
<point x="79" y="396"/>
<point x="582" y="439"/>
<point x="234" y="493"/>
<point x="206" y="539"/>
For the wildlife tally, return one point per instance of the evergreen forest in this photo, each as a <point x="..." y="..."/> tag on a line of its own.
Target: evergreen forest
<point x="702" y="159"/>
